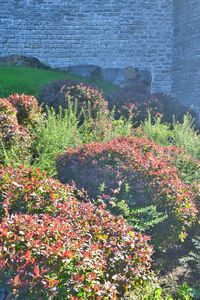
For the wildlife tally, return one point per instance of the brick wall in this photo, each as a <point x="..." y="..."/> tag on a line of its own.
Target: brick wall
<point x="108" y="33"/>
<point x="186" y="53"/>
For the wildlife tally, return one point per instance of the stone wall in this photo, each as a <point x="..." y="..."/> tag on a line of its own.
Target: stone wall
<point x="186" y="53"/>
<point x="108" y="33"/>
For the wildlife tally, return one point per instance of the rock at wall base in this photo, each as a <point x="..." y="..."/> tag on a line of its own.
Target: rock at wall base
<point x="126" y="77"/>
<point x="20" y="60"/>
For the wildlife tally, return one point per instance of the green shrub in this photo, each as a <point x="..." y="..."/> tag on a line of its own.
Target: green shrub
<point x="181" y="134"/>
<point x="53" y="134"/>
<point x="157" y="131"/>
<point x="185" y="136"/>
<point x="192" y="260"/>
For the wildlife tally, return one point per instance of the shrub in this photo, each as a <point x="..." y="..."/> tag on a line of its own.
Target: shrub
<point x="140" y="166"/>
<point x="28" y="110"/>
<point x="87" y="97"/>
<point x="52" y="135"/>
<point x="15" y="140"/>
<point x="9" y="128"/>
<point x="192" y="260"/>
<point x="181" y="134"/>
<point x="157" y="104"/>
<point x="70" y="249"/>
<point x="61" y="130"/>
<point x="29" y="191"/>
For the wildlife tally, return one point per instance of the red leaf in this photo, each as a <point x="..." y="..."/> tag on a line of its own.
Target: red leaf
<point x="36" y="271"/>
<point x="16" y="280"/>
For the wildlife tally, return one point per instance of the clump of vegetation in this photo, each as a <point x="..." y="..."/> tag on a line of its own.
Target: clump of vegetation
<point x="8" y="122"/>
<point x="143" y="168"/>
<point x="149" y="176"/>
<point x="15" y="140"/>
<point x="143" y="102"/>
<point x="70" y="248"/>
<point x="86" y="97"/>
<point x="28" y="111"/>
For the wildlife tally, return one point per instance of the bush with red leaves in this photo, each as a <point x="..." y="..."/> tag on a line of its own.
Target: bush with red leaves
<point x="28" y="110"/>
<point x="145" y="167"/>
<point x="12" y="134"/>
<point x="9" y="128"/>
<point x="144" y="101"/>
<point x="70" y="249"/>
<point x="58" y="94"/>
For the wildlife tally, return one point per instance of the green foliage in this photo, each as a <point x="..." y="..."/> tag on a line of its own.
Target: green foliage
<point x="192" y="260"/>
<point x="104" y="127"/>
<point x="55" y="133"/>
<point x="15" y="140"/>
<point x="185" y="136"/>
<point x="62" y="130"/>
<point x="146" y="218"/>
<point x="156" y="130"/>
<point x="149" y="292"/>
<point x="186" y="292"/>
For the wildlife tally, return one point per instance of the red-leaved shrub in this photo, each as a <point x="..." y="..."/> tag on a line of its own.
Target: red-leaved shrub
<point x="9" y="128"/>
<point x="70" y="249"/>
<point x="145" y="167"/>
<point x="58" y="93"/>
<point x="12" y="134"/>
<point x="157" y="104"/>
<point x="28" y="110"/>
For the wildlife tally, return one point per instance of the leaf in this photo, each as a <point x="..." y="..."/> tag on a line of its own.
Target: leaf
<point x="16" y="280"/>
<point x="36" y="271"/>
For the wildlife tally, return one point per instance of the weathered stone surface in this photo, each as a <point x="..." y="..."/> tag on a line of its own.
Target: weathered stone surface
<point x="160" y="36"/>
<point x="186" y="55"/>
<point x="110" y="74"/>
<point x="130" y="73"/>
<point x="107" y="33"/>
<point x="19" y="60"/>
<point x="123" y="77"/>
<point x="145" y="77"/>
<point x="86" y="71"/>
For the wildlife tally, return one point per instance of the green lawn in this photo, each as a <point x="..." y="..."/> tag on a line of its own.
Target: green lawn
<point x="30" y="80"/>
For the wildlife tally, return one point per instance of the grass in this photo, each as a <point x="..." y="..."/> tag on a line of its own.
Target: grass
<point x="29" y="81"/>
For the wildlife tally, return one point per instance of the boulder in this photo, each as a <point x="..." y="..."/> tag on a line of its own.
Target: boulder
<point x="20" y="60"/>
<point x="123" y="77"/>
<point x="89" y="71"/>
